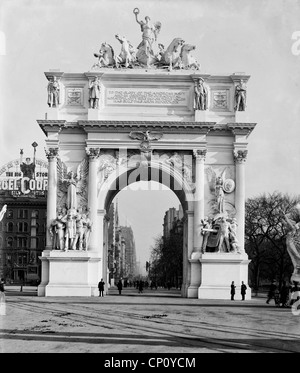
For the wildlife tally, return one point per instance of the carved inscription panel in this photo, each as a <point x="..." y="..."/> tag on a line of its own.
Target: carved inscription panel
<point x="127" y="96"/>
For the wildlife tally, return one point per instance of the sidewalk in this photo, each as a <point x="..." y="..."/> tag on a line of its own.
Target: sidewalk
<point x="156" y="321"/>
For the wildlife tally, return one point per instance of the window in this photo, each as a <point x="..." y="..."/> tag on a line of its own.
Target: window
<point x="22" y="259"/>
<point x="22" y="227"/>
<point x="9" y="242"/>
<point x="21" y="242"/>
<point x="23" y="214"/>
<point x="10" y="227"/>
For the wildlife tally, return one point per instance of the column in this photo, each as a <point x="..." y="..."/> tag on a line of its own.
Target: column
<point x="240" y="159"/>
<point x="93" y="154"/>
<point x="200" y="155"/>
<point x="51" y="154"/>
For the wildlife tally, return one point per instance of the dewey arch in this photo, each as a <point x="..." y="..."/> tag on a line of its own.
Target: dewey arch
<point x="139" y="168"/>
<point x="129" y="135"/>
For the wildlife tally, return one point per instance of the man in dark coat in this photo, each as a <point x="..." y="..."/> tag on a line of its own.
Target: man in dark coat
<point x="101" y="287"/>
<point x="120" y="286"/>
<point x="243" y="290"/>
<point x="232" y="290"/>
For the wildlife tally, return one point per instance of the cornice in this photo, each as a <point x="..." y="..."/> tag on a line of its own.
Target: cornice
<point x="166" y="126"/>
<point x="51" y="125"/>
<point x="243" y="129"/>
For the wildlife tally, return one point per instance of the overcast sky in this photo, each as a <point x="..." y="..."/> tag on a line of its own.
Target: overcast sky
<point x="255" y="37"/>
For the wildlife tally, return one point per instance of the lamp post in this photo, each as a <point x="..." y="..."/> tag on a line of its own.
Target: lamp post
<point x="34" y="145"/>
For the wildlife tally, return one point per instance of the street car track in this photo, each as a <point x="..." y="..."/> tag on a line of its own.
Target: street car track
<point x="191" y="333"/>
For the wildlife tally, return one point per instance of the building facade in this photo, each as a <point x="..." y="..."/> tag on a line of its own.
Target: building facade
<point x="23" y="188"/>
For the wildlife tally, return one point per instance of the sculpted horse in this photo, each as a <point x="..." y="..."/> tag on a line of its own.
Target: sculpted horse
<point x="171" y="56"/>
<point x="187" y="60"/>
<point x="127" y="54"/>
<point x="105" y="56"/>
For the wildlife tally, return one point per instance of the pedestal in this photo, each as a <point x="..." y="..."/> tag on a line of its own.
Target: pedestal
<point x="71" y="273"/>
<point x="241" y="117"/>
<point x="201" y="115"/>
<point x="93" y="114"/>
<point x="52" y="113"/>
<point x="218" y="271"/>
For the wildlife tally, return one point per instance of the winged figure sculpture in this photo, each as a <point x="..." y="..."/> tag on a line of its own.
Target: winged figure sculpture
<point x="72" y="187"/>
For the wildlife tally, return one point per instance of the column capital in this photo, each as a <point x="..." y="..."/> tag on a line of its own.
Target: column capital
<point x="200" y="154"/>
<point x="51" y="153"/>
<point x="240" y="156"/>
<point x="92" y="153"/>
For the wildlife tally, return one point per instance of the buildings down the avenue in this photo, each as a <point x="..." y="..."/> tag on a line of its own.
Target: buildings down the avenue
<point x="121" y="249"/>
<point x="23" y="189"/>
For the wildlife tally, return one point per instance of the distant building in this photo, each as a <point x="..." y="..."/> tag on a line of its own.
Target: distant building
<point x="121" y="249"/>
<point x="23" y="188"/>
<point x="172" y="217"/>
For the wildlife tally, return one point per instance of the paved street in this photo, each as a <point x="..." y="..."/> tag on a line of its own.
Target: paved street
<point x="157" y="321"/>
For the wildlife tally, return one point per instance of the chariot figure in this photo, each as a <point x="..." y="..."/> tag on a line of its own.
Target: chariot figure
<point x="149" y="35"/>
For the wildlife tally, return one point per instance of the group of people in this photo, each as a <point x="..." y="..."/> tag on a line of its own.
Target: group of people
<point x="285" y="296"/>
<point x="243" y="290"/>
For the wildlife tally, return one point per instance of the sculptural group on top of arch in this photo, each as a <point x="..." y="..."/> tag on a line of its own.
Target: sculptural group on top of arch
<point x="178" y="54"/>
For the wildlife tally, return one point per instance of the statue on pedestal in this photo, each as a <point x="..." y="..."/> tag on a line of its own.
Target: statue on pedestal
<point x="201" y="95"/>
<point x="240" y="96"/>
<point x="53" y="92"/>
<point x="94" y="93"/>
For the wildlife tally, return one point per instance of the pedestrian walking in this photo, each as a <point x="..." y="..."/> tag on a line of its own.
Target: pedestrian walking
<point x="232" y="290"/>
<point x="141" y="286"/>
<point x="243" y="290"/>
<point x="2" y="297"/>
<point x="120" y="287"/>
<point x="101" y="287"/>
<point x="271" y="293"/>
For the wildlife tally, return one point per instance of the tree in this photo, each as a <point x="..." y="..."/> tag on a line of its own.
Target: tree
<point x="167" y="257"/>
<point x="265" y="237"/>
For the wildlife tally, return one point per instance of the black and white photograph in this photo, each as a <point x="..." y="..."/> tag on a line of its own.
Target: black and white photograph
<point x="149" y="179"/>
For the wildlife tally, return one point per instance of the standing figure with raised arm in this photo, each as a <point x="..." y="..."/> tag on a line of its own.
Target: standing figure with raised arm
<point x="150" y="31"/>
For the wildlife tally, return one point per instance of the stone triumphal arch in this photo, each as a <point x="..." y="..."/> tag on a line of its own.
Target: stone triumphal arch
<point x="129" y="120"/>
